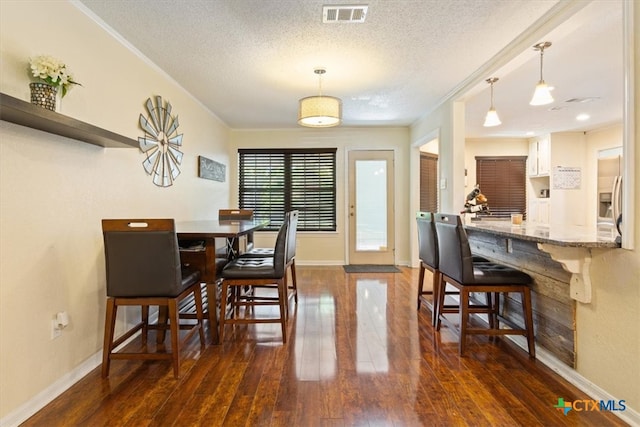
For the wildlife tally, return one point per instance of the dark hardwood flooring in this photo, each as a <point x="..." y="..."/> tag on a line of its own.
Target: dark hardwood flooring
<point x="358" y="354"/>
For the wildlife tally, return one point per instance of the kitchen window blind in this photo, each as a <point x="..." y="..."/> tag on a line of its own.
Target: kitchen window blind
<point x="503" y="181"/>
<point x="275" y="181"/>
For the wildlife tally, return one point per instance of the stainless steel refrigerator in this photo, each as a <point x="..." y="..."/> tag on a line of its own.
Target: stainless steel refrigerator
<point x="610" y="187"/>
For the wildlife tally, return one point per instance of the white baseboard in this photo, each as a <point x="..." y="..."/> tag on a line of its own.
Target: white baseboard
<point x="62" y="384"/>
<point x="629" y="415"/>
<point x="42" y="399"/>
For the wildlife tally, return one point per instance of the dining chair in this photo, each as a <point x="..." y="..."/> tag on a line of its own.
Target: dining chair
<point x="458" y="269"/>
<point x="256" y="272"/>
<point x="143" y="269"/>
<point x="292" y="218"/>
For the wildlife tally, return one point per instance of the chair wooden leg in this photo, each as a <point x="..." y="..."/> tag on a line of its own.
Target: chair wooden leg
<point x="420" y="284"/>
<point x="197" y="296"/>
<point x="464" y="319"/>
<point x="527" y="311"/>
<point x="442" y="288"/>
<point x="286" y="295"/>
<point x="162" y="321"/>
<point x="109" y="328"/>
<point x="282" y="290"/>
<point x="223" y="310"/>
<point x="496" y="306"/>
<point x="490" y="310"/>
<point x="175" y="342"/>
<point x="437" y="282"/>
<point x="294" y="281"/>
<point x="144" y="312"/>
<point x="214" y="313"/>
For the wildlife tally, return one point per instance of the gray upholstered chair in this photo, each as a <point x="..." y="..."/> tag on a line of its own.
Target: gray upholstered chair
<point x="256" y="272"/>
<point x="458" y="269"/>
<point x="143" y="269"/>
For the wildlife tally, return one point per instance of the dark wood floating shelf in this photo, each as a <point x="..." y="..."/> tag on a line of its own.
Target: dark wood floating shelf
<point x="23" y="113"/>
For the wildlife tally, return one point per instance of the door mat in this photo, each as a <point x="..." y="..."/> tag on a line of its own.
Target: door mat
<point x="370" y="268"/>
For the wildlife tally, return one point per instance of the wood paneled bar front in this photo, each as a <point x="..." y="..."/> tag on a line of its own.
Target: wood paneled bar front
<point x="558" y="259"/>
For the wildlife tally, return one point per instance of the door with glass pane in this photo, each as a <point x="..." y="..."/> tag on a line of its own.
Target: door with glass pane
<point x="371" y="214"/>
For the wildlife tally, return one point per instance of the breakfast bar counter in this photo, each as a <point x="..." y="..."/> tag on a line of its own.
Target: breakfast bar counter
<point x="565" y="235"/>
<point x="558" y="259"/>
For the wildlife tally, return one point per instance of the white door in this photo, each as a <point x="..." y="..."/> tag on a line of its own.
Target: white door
<point x="371" y="213"/>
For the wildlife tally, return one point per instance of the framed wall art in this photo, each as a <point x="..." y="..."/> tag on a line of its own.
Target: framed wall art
<point x="210" y="169"/>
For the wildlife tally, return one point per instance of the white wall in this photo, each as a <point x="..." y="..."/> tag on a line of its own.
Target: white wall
<point x="54" y="191"/>
<point x="330" y="248"/>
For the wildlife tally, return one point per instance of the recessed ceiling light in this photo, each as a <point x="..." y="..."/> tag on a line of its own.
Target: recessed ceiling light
<point x="530" y="133"/>
<point x="582" y="117"/>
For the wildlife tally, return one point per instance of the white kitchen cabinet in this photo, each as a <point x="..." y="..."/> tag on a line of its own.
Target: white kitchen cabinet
<point x="544" y="156"/>
<point x="539" y="156"/>
<point x="538" y="211"/>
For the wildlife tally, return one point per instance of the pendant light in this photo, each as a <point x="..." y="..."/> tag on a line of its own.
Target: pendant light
<point x="320" y="111"/>
<point x="492" y="118"/>
<point x="542" y="94"/>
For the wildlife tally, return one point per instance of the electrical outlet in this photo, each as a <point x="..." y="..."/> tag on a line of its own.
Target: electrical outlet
<point x="55" y="330"/>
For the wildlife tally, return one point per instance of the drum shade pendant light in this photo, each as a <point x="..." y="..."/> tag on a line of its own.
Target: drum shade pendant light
<point x="492" y="118"/>
<point x="320" y="111"/>
<point x="542" y="94"/>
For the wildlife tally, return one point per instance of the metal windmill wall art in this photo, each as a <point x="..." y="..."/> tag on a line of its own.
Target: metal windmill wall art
<point x="161" y="143"/>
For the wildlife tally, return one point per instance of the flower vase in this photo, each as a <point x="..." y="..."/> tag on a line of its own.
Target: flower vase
<point x="44" y="95"/>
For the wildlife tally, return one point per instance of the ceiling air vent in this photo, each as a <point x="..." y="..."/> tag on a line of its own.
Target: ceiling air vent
<point x="583" y="100"/>
<point x="349" y="14"/>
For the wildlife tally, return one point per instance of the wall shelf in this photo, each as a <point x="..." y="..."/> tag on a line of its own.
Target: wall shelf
<point x="23" y="113"/>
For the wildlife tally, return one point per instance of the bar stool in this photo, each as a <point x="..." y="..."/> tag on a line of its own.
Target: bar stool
<point x="143" y="269"/>
<point x="254" y="272"/>
<point x="459" y="270"/>
<point x="292" y="218"/>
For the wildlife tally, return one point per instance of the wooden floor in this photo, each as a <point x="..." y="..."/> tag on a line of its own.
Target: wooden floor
<point x="359" y="354"/>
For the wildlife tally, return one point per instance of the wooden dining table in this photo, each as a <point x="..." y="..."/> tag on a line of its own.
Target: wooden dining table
<point x="198" y="250"/>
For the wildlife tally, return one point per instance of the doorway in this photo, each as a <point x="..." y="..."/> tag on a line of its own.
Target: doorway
<point x="371" y="213"/>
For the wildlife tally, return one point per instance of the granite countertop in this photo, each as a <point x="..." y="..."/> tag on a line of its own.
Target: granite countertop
<point x="575" y="236"/>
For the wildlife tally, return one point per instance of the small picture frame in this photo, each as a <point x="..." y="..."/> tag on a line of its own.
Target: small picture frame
<point x="210" y="169"/>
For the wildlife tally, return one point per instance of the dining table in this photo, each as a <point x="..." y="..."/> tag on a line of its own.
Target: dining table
<point x="198" y="250"/>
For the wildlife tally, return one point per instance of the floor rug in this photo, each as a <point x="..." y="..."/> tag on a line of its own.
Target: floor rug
<point x="370" y="268"/>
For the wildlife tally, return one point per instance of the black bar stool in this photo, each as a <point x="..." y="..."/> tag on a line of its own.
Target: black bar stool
<point x="458" y="269"/>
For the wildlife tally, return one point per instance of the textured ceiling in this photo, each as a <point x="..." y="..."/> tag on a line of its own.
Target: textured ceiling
<point x="249" y="61"/>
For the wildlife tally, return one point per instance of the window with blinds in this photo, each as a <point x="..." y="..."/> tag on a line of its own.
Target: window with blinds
<point x="428" y="182"/>
<point x="503" y="181"/>
<point x="275" y="181"/>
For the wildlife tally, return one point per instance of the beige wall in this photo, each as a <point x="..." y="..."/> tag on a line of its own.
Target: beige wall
<point x="330" y="248"/>
<point x="54" y="191"/>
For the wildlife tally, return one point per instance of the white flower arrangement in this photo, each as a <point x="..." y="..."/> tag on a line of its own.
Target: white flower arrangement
<point x="53" y="72"/>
